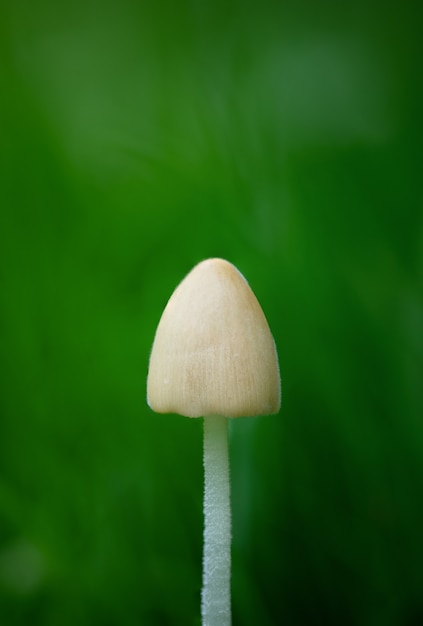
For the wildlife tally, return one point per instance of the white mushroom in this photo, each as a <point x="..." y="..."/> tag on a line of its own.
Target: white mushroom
<point x="214" y="356"/>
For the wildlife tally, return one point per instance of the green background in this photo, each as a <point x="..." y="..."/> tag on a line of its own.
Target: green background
<point x="137" y="138"/>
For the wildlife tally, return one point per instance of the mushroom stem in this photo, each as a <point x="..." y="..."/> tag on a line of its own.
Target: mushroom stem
<point x="216" y="592"/>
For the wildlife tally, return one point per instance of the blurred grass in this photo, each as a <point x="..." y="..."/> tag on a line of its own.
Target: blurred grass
<point x="137" y="139"/>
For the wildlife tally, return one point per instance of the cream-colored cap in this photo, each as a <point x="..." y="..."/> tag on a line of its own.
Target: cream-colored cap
<point x="213" y="353"/>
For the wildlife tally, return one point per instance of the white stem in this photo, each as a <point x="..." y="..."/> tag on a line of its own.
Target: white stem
<point x="216" y="593"/>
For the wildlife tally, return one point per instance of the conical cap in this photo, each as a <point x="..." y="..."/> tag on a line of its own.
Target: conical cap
<point x="213" y="353"/>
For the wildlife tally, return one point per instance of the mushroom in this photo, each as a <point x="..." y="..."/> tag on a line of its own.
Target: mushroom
<point x="214" y="356"/>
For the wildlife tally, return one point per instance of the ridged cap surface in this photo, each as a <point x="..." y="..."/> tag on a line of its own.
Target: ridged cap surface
<point x="213" y="353"/>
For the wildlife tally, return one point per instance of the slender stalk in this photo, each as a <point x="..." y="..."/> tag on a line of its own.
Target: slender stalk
<point x="216" y="592"/>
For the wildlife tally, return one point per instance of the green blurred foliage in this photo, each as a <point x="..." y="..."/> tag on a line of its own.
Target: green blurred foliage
<point x="138" y="138"/>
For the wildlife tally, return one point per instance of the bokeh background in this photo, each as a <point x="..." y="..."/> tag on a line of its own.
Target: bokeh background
<point x="137" y="138"/>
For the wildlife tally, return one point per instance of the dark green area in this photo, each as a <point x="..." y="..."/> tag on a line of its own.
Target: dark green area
<point x="137" y="138"/>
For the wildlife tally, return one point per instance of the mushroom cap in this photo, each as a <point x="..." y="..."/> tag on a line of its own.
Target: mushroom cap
<point x="213" y="353"/>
